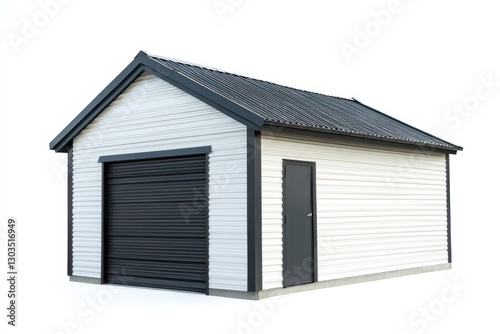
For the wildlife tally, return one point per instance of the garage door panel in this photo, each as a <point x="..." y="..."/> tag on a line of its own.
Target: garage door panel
<point x="159" y="232"/>
<point x="159" y="170"/>
<point x="174" y="197"/>
<point x="169" y="179"/>
<point x="173" y="225"/>
<point x="156" y="233"/>
<point x="191" y="261"/>
<point x="158" y="283"/>
<point x="157" y="206"/>
<point x="180" y="250"/>
<point x="173" y="270"/>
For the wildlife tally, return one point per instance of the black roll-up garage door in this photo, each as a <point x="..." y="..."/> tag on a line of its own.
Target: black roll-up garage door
<point x="156" y="231"/>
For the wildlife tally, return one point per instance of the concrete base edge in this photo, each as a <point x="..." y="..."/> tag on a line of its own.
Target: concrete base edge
<point x="326" y="284"/>
<point x="82" y="279"/>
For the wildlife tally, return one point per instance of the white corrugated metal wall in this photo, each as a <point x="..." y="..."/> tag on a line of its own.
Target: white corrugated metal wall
<point x="152" y="115"/>
<point x="378" y="209"/>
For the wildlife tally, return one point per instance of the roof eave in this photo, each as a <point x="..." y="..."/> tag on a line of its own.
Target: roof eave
<point x="99" y="103"/>
<point x="452" y="149"/>
<point x="161" y="69"/>
<point x="451" y="146"/>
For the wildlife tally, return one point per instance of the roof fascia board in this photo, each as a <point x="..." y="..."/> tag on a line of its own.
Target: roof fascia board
<point x="311" y="132"/>
<point x="142" y="62"/>
<point x="203" y="93"/>
<point x="98" y="104"/>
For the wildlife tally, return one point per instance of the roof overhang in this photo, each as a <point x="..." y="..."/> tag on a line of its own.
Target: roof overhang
<point x="143" y="63"/>
<point x="225" y="104"/>
<point x="306" y="131"/>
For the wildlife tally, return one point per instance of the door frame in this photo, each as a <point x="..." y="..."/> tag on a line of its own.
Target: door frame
<point x="311" y="164"/>
<point x="141" y="156"/>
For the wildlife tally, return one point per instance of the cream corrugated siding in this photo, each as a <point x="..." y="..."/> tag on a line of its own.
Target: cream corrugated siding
<point x="377" y="209"/>
<point x="152" y="115"/>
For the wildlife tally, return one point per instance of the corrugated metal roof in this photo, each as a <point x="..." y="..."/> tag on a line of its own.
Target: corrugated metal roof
<point x="291" y="107"/>
<point x="256" y="103"/>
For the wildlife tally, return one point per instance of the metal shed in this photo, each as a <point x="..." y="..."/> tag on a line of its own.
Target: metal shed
<point x="189" y="178"/>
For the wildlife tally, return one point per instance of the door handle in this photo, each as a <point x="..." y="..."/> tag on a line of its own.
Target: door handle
<point x="310" y="215"/>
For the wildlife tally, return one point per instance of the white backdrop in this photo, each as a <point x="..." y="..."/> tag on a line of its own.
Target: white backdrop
<point x="435" y="65"/>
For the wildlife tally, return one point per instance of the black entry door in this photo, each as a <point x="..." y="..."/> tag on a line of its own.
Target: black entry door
<point x="298" y="223"/>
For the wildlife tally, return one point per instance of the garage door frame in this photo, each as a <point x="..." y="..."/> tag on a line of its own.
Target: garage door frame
<point x="104" y="160"/>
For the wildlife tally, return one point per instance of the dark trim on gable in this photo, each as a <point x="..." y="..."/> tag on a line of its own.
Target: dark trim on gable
<point x="98" y="104"/>
<point x="216" y="104"/>
<point x="448" y="207"/>
<point x="70" y="211"/>
<point x="311" y="133"/>
<point x="156" y="154"/>
<point x="142" y="62"/>
<point x="205" y="95"/>
<point x="254" y="212"/>
<point x="215" y="101"/>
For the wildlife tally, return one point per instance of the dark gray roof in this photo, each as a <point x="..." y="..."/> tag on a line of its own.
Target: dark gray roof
<point x="256" y="103"/>
<point x="293" y="107"/>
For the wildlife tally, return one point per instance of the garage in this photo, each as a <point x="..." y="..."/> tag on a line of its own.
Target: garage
<point x="189" y="178"/>
<point x="155" y="220"/>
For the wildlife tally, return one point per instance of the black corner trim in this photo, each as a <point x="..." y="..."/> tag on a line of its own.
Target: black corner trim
<point x="70" y="212"/>
<point x="254" y="212"/>
<point x="104" y="225"/>
<point x="156" y="154"/>
<point x="448" y="207"/>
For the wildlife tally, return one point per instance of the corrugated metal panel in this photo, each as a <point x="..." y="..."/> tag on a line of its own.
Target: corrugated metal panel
<point x="257" y="102"/>
<point x="152" y="115"/>
<point x="377" y="209"/>
<point x="155" y="236"/>
<point x="290" y="107"/>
